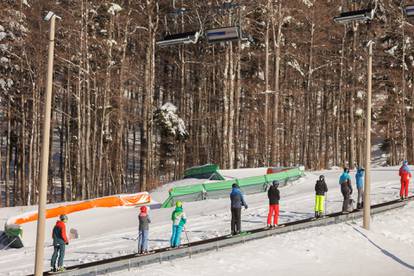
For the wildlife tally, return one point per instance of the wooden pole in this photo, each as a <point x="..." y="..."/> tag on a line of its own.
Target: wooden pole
<point x="367" y="190"/>
<point x="41" y="221"/>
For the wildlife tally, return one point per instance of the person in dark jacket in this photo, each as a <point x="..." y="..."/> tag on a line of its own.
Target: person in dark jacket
<point x="144" y="222"/>
<point x="273" y="195"/>
<point x="60" y="240"/>
<point x="320" y="190"/>
<point x="346" y="190"/>
<point x="237" y="201"/>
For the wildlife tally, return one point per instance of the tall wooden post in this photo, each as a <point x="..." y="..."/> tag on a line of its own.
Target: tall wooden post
<point x="41" y="221"/>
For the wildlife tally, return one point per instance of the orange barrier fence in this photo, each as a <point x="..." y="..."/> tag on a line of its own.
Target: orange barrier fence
<point x="109" y="201"/>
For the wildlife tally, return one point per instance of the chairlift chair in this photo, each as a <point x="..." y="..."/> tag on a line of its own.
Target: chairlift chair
<point x="223" y="34"/>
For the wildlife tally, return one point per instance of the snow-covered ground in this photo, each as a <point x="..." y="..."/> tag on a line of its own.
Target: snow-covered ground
<point x="343" y="249"/>
<point x="109" y="232"/>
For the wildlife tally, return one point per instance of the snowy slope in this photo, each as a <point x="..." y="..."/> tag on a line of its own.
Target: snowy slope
<point x="343" y="249"/>
<point x="105" y="233"/>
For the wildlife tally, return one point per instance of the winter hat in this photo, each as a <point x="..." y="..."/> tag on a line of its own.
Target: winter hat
<point x="63" y="218"/>
<point x="321" y="177"/>
<point x="405" y="162"/>
<point x="143" y="209"/>
<point x="234" y="185"/>
<point x="346" y="170"/>
<point x="179" y="204"/>
<point x="275" y="183"/>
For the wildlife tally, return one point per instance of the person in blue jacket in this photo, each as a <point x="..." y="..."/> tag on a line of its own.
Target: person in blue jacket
<point x="346" y="189"/>
<point x="237" y="201"/>
<point x="359" y="179"/>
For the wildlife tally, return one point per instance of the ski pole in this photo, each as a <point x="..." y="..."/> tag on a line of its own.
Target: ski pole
<point x="188" y="240"/>
<point x="185" y="231"/>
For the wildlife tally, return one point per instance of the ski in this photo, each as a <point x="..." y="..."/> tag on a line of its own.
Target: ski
<point x="58" y="272"/>
<point x="146" y="253"/>
<point x="173" y="248"/>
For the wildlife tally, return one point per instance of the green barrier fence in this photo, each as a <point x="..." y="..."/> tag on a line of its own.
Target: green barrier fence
<point x="211" y="190"/>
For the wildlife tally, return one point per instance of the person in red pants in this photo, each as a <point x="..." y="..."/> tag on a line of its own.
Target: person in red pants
<point x="274" y="196"/>
<point x="405" y="175"/>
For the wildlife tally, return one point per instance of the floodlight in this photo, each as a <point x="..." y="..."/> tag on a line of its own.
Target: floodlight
<point x="49" y="15"/>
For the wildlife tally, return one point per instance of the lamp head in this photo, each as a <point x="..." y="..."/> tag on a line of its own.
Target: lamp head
<point x="49" y="16"/>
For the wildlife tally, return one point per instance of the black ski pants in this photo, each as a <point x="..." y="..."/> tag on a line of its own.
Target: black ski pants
<point x="346" y="192"/>
<point x="235" y="221"/>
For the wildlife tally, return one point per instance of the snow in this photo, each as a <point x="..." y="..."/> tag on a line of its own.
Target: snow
<point x="288" y="19"/>
<point x="172" y="121"/>
<point x="3" y="47"/>
<point x="114" y="8"/>
<point x="242" y="173"/>
<point x="261" y="75"/>
<point x="308" y="3"/>
<point x="2" y="35"/>
<point x="392" y="50"/>
<point x="343" y="249"/>
<point x="3" y="84"/>
<point x="295" y="65"/>
<point x="359" y="112"/>
<point x="110" y="232"/>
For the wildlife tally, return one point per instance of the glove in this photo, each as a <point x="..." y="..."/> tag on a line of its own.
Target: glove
<point x="245" y="207"/>
<point x="67" y="243"/>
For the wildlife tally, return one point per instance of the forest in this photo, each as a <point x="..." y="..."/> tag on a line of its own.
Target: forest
<point x="129" y="115"/>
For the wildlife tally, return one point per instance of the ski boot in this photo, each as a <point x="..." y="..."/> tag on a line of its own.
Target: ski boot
<point x="61" y="269"/>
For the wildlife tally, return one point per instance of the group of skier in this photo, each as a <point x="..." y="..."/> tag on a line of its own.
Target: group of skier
<point x="179" y="219"/>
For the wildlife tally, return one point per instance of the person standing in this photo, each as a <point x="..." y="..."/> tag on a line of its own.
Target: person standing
<point x="144" y="222"/>
<point x="179" y="219"/>
<point x="359" y="179"/>
<point x="274" y="196"/>
<point x="237" y="201"/>
<point x="60" y="240"/>
<point x="405" y="176"/>
<point x="346" y="189"/>
<point x="320" y="189"/>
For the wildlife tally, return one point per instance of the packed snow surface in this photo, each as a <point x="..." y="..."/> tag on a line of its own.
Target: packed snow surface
<point x="333" y="250"/>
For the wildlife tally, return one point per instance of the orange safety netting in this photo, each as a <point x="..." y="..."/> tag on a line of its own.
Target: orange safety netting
<point x="110" y="201"/>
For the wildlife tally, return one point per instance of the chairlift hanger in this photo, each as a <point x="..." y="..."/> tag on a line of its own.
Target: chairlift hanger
<point x="179" y="38"/>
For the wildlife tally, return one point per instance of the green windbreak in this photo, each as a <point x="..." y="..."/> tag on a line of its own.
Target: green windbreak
<point x="184" y="190"/>
<point x="254" y="184"/>
<point x="253" y="180"/>
<point x="216" y="186"/>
